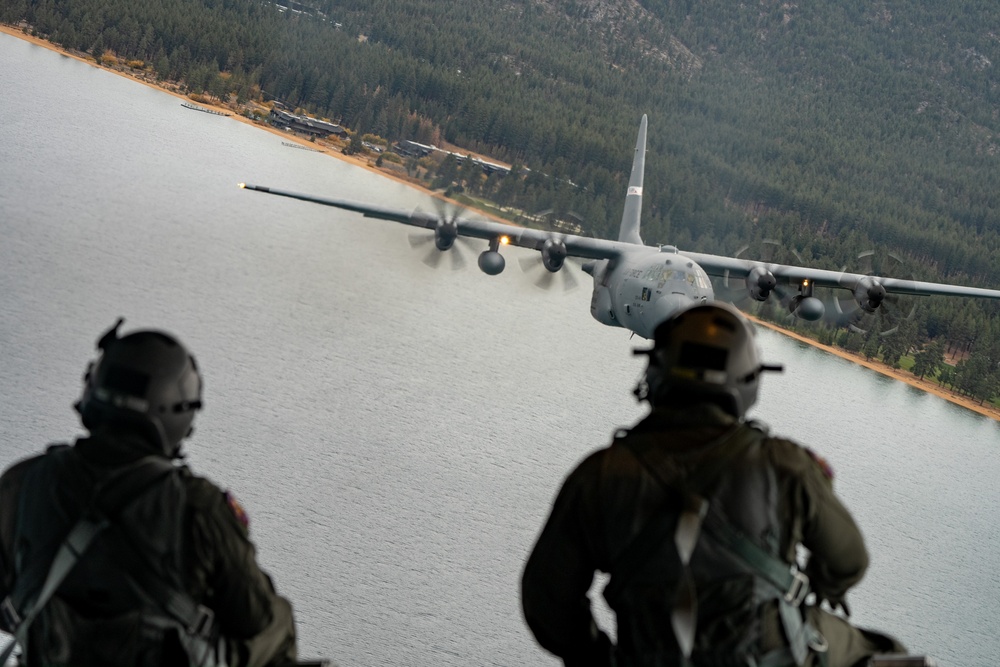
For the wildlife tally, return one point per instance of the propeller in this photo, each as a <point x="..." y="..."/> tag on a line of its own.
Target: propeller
<point x="869" y="307"/>
<point x="443" y="237"/>
<point x="769" y="252"/>
<point x="549" y="263"/>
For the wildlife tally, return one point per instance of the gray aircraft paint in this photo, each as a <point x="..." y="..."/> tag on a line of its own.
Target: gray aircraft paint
<point x="637" y="286"/>
<point x="629" y="229"/>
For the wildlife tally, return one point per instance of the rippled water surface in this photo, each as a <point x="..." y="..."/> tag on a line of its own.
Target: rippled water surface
<point x="397" y="433"/>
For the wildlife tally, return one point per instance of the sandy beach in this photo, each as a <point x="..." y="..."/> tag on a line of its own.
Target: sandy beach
<point x="365" y="163"/>
<point x="894" y="373"/>
<point x="321" y="147"/>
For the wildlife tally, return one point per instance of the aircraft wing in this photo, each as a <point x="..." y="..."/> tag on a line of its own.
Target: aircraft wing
<point x="731" y="267"/>
<point x="576" y="246"/>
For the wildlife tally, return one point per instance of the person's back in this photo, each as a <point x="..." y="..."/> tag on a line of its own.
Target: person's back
<point x="760" y="486"/>
<point x="697" y="516"/>
<point x="169" y="576"/>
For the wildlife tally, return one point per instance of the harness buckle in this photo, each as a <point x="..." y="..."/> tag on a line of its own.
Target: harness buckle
<point x="202" y="624"/>
<point x="9" y="614"/>
<point x="798" y="589"/>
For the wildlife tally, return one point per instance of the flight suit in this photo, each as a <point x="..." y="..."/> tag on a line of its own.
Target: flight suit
<point x="188" y="530"/>
<point x="774" y="491"/>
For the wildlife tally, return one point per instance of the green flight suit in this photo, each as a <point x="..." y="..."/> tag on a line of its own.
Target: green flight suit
<point x="212" y="559"/>
<point x="609" y="498"/>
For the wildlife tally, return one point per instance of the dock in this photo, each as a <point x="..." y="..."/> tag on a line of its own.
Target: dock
<point x="300" y="146"/>
<point x="195" y="107"/>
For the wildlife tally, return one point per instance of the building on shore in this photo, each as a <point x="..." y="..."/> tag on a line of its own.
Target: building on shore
<point x="304" y="124"/>
<point x="408" y="148"/>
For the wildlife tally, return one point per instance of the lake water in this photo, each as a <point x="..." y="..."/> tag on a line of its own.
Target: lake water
<point x="397" y="433"/>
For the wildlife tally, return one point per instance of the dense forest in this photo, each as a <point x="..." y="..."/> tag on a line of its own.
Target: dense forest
<point x="794" y="132"/>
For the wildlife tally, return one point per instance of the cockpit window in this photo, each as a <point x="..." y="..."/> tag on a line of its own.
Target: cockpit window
<point x="703" y="280"/>
<point x="673" y="274"/>
<point x="696" y="276"/>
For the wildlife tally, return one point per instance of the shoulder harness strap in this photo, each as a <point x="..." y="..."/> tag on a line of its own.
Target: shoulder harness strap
<point x="655" y="531"/>
<point x="109" y="498"/>
<point x="792" y="585"/>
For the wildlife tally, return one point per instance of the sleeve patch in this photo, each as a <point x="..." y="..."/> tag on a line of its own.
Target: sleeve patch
<point x="823" y="464"/>
<point x="238" y="511"/>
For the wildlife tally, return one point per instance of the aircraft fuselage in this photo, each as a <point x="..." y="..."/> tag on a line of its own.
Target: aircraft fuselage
<point x="644" y="287"/>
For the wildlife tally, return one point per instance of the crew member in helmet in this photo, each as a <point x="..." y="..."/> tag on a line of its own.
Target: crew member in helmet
<point x="697" y="515"/>
<point x="114" y="554"/>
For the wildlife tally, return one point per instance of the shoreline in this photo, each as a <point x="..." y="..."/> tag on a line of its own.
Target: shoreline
<point x="896" y="374"/>
<point x="229" y="113"/>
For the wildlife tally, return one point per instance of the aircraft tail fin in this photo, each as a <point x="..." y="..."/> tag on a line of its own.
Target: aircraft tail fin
<point x="629" y="230"/>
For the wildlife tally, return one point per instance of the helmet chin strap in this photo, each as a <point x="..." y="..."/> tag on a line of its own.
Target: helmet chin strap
<point x="172" y="450"/>
<point x="177" y="453"/>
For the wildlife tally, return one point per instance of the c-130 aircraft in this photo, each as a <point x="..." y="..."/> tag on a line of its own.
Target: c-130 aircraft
<point x="638" y="286"/>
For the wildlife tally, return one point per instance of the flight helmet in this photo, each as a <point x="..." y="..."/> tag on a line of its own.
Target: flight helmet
<point x="706" y="353"/>
<point x="145" y="382"/>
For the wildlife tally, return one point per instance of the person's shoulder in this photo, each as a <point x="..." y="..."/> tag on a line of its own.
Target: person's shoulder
<point x="789" y="455"/>
<point x="202" y="492"/>
<point x="589" y="463"/>
<point x="208" y="497"/>
<point x="19" y="466"/>
<point x="12" y="478"/>
<point x="586" y="472"/>
<point x="17" y="469"/>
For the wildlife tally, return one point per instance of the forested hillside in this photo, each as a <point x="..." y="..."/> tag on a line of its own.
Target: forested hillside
<point x="830" y="128"/>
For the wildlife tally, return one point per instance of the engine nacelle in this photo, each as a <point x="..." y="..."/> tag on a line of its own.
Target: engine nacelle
<point x="553" y="255"/>
<point x="760" y="282"/>
<point x="869" y="294"/>
<point x="445" y="234"/>
<point x="491" y="262"/>
<point x="807" y="308"/>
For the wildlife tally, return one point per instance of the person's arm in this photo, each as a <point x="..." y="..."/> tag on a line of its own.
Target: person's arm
<point x="838" y="558"/>
<point x="257" y="623"/>
<point x="558" y="574"/>
<point x="10" y="493"/>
